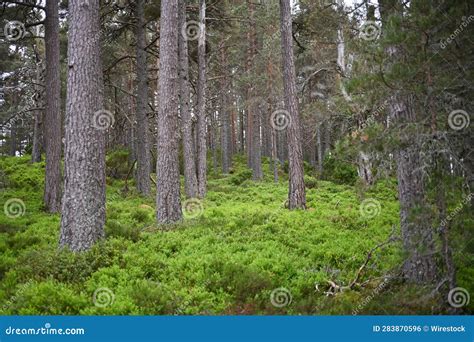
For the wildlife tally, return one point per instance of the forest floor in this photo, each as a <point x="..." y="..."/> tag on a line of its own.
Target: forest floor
<point x="239" y="251"/>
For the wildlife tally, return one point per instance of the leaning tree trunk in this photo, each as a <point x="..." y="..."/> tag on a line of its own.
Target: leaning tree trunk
<point x="168" y="202"/>
<point x="142" y="145"/>
<point x="83" y="207"/>
<point x="52" y="122"/>
<point x="190" y="176"/>
<point x="296" y="193"/>
<point x="201" y="102"/>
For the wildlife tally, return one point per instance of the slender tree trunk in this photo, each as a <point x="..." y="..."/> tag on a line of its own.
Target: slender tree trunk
<point x="38" y="115"/>
<point x="13" y="133"/>
<point x="190" y="176"/>
<point x="83" y="207"/>
<point x="201" y="102"/>
<point x="168" y="203"/>
<point x="296" y="193"/>
<point x="36" y="148"/>
<point x="52" y="124"/>
<point x="224" y="112"/>
<point x="143" y="148"/>
<point x="319" y="144"/>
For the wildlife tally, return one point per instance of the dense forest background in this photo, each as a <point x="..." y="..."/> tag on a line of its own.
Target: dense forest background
<point x="236" y="157"/>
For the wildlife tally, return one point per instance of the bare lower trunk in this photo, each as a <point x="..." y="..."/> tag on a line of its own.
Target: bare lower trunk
<point x="296" y="193"/>
<point x="83" y="207"/>
<point x="36" y="149"/>
<point x="190" y="176"/>
<point x="415" y="220"/>
<point x="168" y="203"/>
<point x="38" y="115"/>
<point x="225" y="115"/>
<point x="142" y="145"/>
<point x="365" y="168"/>
<point x="201" y="102"/>
<point x="52" y="124"/>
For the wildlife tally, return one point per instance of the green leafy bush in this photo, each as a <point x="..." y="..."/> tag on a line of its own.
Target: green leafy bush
<point x="240" y="177"/>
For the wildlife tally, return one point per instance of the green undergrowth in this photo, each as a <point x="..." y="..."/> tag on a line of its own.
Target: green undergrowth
<point x="240" y="249"/>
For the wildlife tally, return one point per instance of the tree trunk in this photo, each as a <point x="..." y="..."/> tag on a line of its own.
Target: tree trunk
<point x="319" y="144"/>
<point x="36" y="148"/>
<point x="168" y="203"/>
<point x="38" y="115"/>
<point x="296" y="193"/>
<point x="201" y="102"/>
<point x="142" y="145"/>
<point x="83" y="207"/>
<point x="52" y="122"/>
<point x="190" y="176"/>
<point x="224" y="113"/>
<point x="415" y="218"/>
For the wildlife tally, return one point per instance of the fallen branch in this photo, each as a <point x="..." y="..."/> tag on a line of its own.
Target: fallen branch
<point x="335" y="288"/>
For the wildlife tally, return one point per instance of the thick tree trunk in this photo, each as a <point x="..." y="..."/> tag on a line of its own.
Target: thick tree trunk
<point x="168" y="203"/>
<point x="415" y="218"/>
<point x="52" y="122"/>
<point x="201" y="102"/>
<point x="190" y="176"/>
<point x="296" y="193"/>
<point x="83" y="207"/>
<point x="418" y="240"/>
<point x="142" y="145"/>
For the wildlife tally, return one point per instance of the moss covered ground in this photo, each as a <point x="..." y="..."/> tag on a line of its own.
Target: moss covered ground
<point x="239" y="251"/>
